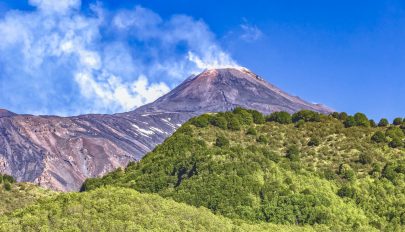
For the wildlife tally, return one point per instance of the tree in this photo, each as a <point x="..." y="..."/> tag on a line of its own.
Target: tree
<point x="234" y="123"/>
<point x="307" y="116"/>
<point x="7" y="178"/>
<point x="221" y="141"/>
<point x="361" y="120"/>
<point x="350" y="122"/>
<point x="372" y="123"/>
<point x="258" y="117"/>
<point x="335" y="115"/>
<point x="343" y="116"/>
<point x="245" y="117"/>
<point x="220" y="122"/>
<point x="383" y="122"/>
<point x="397" y="121"/>
<point x="280" y="117"/>
<point x="379" y="137"/>
<point x="200" y="121"/>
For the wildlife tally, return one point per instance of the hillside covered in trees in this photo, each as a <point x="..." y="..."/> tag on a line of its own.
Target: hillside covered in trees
<point x="345" y="172"/>
<point x="120" y="209"/>
<point x="238" y="171"/>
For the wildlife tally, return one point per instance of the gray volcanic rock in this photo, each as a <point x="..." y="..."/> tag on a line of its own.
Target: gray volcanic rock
<point x="61" y="152"/>
<point x="224" y="89"/>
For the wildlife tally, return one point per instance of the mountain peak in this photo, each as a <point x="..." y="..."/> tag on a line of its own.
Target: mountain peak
<point x="223" y="89"/>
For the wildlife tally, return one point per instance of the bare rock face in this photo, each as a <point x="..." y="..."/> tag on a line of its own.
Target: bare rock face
<point x="61" y="152"/>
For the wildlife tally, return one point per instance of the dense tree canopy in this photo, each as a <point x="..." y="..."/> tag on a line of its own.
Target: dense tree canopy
<point x="321" y="172"/>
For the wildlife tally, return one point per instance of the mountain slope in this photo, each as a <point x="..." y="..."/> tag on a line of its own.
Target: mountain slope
<point x="61" y="152"/>
<point x="313" y="171"/>
<point x="6" y="113"/>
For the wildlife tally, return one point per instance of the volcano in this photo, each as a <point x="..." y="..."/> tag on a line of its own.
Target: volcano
<point x="61" y="152"/>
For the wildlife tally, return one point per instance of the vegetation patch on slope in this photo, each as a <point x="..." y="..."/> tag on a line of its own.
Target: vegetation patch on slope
<point x="119" y="209"/>
<point x="305" y="169"/>
<point x="18" y="195"/>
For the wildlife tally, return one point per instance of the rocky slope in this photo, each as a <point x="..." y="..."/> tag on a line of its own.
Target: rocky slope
<point x="61" y="152"/>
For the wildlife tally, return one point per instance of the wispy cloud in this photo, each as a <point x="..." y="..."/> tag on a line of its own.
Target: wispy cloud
<point x="250" y="32"/>
<point x="59" y="60"/>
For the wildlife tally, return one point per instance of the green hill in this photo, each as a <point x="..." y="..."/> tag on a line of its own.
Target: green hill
<point x="18" y="195"/>
<point x="309" y="169"/>
<point x="119" y="209"/>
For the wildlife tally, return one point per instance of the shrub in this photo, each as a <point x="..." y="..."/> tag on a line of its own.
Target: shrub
<point x="396" y="142"/>
<point x="365" y="158"/>
<point x="7" y="186"/>
<point x="313" y="142"/>
<point x="221" y="141"/>
<point x="300" y="123"/>
<point x="394" y="132"/>
<point x="379" y="137"/>
<point x="347" y="191"/>
<point x="346" y="172"/>
<point x="293" y="153"/>
<point x="389" y="172"/>
<point x="262" y="139"/>
<point x="329" y="174"/>
<point x="383" y="122"/>
<point x="271" y="156"/>
<point x="397" y="121"/>
<point x="280" y="117"/>
<point x="251" y="131"/>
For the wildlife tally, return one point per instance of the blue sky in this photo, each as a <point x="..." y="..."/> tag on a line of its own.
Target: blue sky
<point x="108" y="56"/>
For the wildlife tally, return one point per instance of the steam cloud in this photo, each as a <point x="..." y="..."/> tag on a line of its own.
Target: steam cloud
<point x="59" y="60"/>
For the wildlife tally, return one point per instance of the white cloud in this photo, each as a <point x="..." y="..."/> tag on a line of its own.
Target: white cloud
<point x="58" y="60"/>
<point x="58" y="6"/>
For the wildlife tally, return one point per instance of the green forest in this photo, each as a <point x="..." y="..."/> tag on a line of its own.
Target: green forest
<point x="238" y="171"/>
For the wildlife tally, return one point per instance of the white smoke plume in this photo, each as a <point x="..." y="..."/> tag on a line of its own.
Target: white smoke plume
<point x="59" y="60"/>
